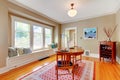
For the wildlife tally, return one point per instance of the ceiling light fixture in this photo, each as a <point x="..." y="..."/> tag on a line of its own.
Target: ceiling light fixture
<point x="72" y="12"/>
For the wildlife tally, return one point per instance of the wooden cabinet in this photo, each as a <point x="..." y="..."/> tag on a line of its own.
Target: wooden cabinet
<point x="107" y="49"/>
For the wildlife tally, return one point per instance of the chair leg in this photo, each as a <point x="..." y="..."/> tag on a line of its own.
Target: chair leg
<point x="57" y="74"/>
<point x="74" y="70"/>
<point x="72" y="76"/>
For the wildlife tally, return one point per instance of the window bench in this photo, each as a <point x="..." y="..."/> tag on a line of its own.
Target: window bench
<point x="17" y="61"/>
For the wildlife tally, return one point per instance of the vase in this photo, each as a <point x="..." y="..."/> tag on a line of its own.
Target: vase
<point x="109" y="39"/>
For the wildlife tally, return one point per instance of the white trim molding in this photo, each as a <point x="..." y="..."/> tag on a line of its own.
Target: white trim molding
<point x="118" y="59"/>
<point x="17" y="61"/>
<point x="95" y="55"/>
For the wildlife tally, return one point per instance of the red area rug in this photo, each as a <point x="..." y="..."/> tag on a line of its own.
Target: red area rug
<point x="84" y="72"/>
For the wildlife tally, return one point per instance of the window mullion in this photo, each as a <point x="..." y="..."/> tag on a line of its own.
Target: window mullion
<point x="13" y="33"/>
<point x="31" y="36"/>
<point x="43" y="37"/>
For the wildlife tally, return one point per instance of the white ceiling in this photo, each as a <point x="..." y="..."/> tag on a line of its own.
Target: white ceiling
<point x="57" y="9"/>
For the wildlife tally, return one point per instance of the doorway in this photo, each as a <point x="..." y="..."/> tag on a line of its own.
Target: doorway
<point x="71" y="37"/>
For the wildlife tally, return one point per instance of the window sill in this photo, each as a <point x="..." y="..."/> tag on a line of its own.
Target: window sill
<point x="33" y="52"/>
<point x="40" y="50"/>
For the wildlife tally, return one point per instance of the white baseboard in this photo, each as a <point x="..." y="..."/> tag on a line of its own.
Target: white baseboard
<point x="4" y="69"/>
<point x="31" y="59"/>
<point x="118" y="59"/>
<point x="15" y="63"/>
<point x="95" y="55"/>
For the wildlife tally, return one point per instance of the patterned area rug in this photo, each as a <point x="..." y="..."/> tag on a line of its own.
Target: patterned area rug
<point x="84" y="72"/>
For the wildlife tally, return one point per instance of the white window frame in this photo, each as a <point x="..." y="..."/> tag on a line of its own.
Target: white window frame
<point x="31" y="23"/>
<point x="51" y="33"/>
<point x="33" y="37"/>
<point x="13" y="28"/>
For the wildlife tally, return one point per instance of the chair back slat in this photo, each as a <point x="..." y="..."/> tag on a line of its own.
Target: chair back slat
<point x="64" y="59"/>
<point x="64" y="62"/>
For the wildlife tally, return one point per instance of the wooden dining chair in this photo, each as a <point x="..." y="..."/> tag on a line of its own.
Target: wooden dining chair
<point x="64" y="62"/>
<point x="76" y="57"/>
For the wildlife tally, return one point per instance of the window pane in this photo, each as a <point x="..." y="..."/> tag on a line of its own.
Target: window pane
<point x="37" y="37"/>
<point x="21" y="26"/>
<point x="48" y="37"/>
<point x="22" y="34"/>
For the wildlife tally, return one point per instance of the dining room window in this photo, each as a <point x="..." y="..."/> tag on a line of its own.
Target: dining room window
<point x="28" y="34"/>
<point x="48" y="36"/>
<point x="22" y="34"/>
<point x="37" y="37"/>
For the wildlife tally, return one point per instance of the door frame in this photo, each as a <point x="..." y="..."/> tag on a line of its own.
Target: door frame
<point x="72" y="28"/>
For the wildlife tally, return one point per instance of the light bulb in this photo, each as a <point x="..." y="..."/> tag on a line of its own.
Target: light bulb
<point x="72" y="12"/>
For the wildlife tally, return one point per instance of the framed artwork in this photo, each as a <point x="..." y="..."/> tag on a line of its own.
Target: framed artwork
<point x="90" y="33"/>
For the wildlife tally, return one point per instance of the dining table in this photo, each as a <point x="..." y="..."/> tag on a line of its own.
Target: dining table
<point x="75" y="53"/>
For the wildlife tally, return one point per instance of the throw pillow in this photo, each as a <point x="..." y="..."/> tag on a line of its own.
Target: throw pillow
<point x="27" y="50"/>
<point x="12" y="52"/>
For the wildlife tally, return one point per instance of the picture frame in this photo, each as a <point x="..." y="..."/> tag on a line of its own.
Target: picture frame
<point x="90" y="33"/>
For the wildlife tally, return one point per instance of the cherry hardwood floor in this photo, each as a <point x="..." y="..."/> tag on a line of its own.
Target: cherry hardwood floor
<point x="102" y="71"/>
